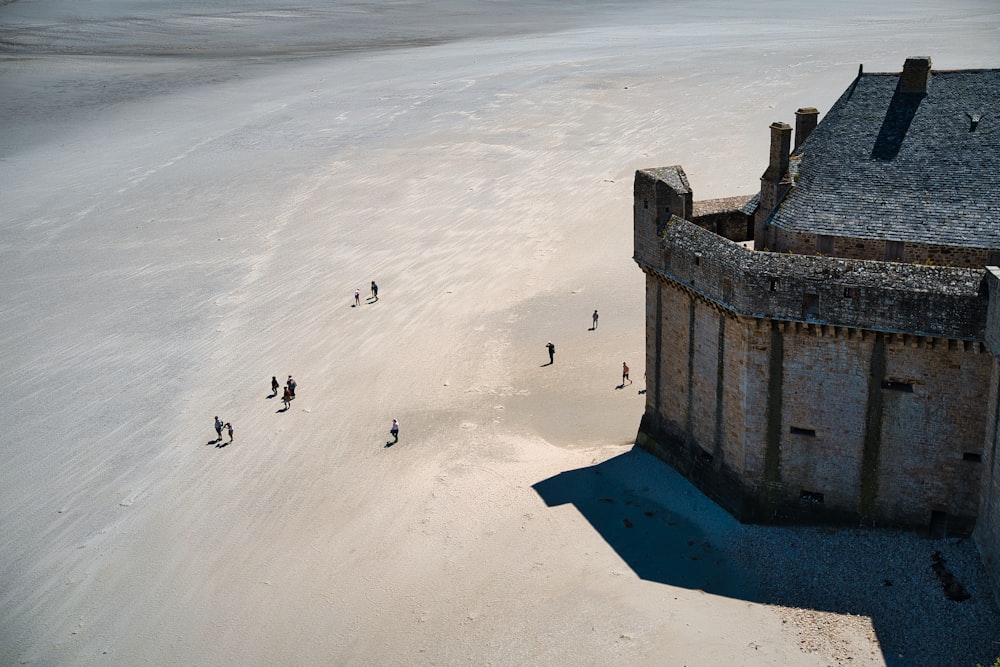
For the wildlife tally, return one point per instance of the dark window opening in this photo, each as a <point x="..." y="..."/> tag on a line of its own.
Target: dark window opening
<point x="972" y="456"/>
<point x="803" y="431"/>
<point x="811" y="497"/>
<point x="824" y="244"/>
<point x="895" y="385"/>
<point x="697" y="259"/>
<point x="645" y="203"/>
<point x="938" y="528"/>
<point x="850" y="292"/>
<point x="774" y="285"/>
<point x="993" y="259"/>
<point x="894" y="251"/>
<point x="810" y="305"/>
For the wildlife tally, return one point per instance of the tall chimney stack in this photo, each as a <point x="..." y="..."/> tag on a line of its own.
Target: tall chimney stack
<point x="774" y="183"/>
<point x="781" y="143"/>
<point x="916" y="76"/>
<point x="806" y="120"/>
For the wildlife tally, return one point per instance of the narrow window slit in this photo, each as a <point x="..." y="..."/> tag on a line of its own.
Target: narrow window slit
<point x="895" y="385"/>
<point x="811" y="497"/>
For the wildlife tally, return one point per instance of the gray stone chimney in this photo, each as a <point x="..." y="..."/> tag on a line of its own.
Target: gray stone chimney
<point x="774" y="183"/>
<point x="806" y="120"/>
<point x="916" y="75"/>
<point x="781" y="145"/>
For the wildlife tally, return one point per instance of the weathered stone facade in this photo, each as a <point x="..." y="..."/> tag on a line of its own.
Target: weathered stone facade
<point x="851" y="377"/>
<point x="880" y="249"/>
<point x="804" y="387"/>
<point x="988" y="523"/>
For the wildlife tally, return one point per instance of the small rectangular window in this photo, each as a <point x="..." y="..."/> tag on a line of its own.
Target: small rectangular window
<point x="993" y="259"/>
<point x="824" y="244"/>
<point x="850" y="292"/>
<point x="972" y="456"/>
<point x="810" y="305"/>
<point x="896" y="385"/>
<point x="811" y="497"/>
<point x="894" y="251"/>
<point x="774" y="284"/>
<point x="803" y="431"/>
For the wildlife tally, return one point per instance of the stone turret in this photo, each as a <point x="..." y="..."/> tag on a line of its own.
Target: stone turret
<point x="658" y="194"/>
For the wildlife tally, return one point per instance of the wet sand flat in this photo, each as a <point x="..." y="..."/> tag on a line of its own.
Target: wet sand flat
<point x="193" y="192"/>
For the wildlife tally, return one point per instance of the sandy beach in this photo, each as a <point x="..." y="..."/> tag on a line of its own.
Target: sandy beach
<point x="193" y="191"/>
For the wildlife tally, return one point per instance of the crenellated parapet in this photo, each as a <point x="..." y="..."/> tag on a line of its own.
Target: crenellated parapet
<point x="883" y="296"/>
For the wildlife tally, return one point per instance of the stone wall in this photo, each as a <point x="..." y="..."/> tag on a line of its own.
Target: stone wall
<point x="883" y="296"/>
<point x="784" y="241"/>
<point x="724" y="217"/>
<point x="803" y="388"/>
<point x="987" y="532"/>
<point x="791" y="421"/>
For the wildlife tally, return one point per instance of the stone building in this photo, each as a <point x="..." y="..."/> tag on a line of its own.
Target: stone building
<point x="826" y="351"/>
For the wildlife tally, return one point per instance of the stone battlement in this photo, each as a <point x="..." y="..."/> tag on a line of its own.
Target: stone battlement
<point x="881" y="296"/>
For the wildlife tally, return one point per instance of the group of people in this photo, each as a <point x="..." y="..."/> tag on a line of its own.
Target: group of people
<point x="289" y="393"/>
<point x="373" y="298"/>
<point x="219" y="425"/>
<point x="552" y="352"/>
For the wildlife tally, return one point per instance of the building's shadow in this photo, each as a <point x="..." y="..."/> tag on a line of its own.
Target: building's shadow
<point x="669" y="532"/>
<point x="637" y="517"/>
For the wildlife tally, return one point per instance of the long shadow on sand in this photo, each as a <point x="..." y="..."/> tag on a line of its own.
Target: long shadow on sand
<point x="636" y="517"/>
<point x="667" y="531"/>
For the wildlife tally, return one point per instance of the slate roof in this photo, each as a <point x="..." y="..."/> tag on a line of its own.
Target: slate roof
<point x="673" y="176"/>
<point x="904" y="167"/>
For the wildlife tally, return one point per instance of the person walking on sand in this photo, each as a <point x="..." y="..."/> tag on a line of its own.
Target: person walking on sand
<point x="552" y="352"/>
<point x="625" y="374"/>
<point x="218" y="428"/>
<point x="292" y="384"/>
<point x="374" y="291"/>
<point x="229" y="428"/>
<point x="286" y="398"/>
<point x="595" y="321"/>
<point x="274" y="385"/>
<point x="394" y="431"/>
<point x="357" y="297"/>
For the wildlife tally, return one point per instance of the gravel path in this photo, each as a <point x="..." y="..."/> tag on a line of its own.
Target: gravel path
<point x="826" y="580"/>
